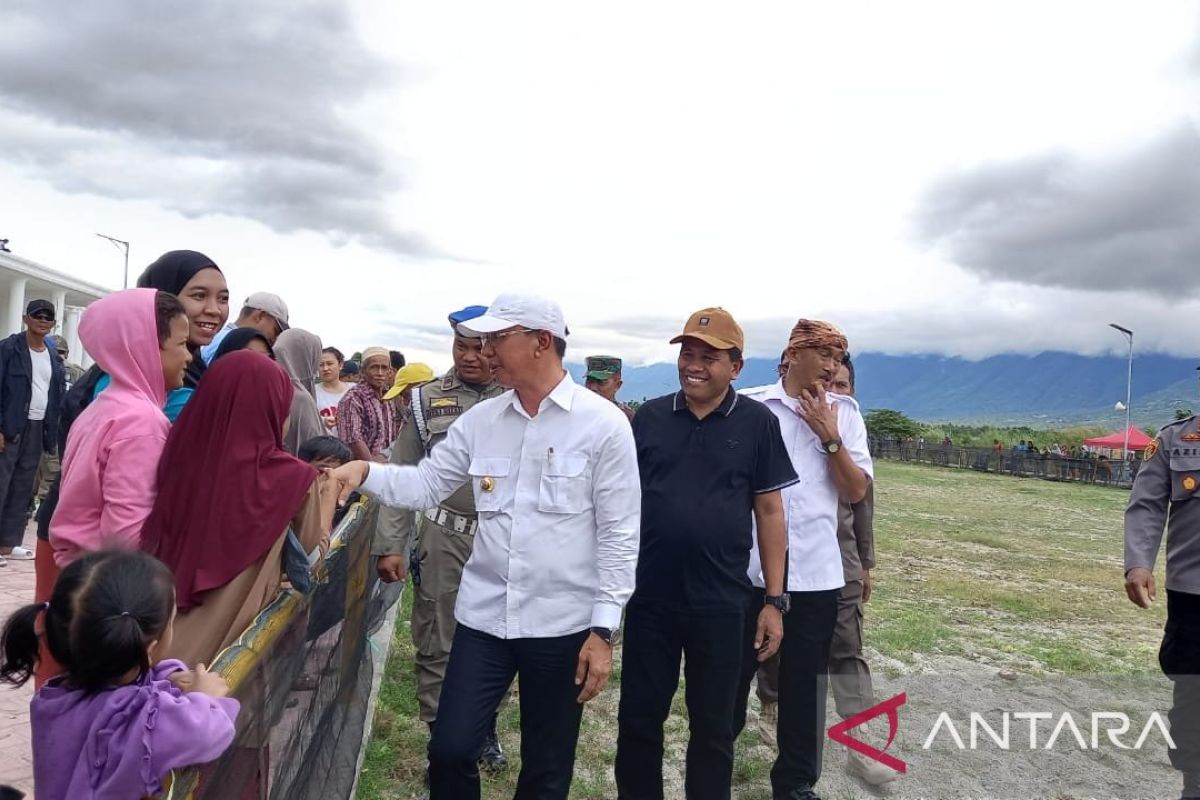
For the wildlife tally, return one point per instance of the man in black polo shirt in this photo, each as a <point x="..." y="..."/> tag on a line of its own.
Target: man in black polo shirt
<point x="708" y="460"/>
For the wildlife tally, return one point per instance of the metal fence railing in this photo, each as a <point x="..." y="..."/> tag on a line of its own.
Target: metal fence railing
<point x="1090" y="469"/>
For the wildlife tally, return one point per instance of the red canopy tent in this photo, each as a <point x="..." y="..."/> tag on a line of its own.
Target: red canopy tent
<point x="1115" y="441"/>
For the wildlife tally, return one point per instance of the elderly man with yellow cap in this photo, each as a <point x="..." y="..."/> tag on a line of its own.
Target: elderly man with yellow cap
<point x="826" y="440"/>
<point x="439" y="539"/>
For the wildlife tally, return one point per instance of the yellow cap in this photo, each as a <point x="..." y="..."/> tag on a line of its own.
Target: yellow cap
<point x="409" y="375"/>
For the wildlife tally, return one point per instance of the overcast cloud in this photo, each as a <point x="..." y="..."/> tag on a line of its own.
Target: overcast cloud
<point x="1129" y="221"/>
<point x="929" y="183"/>
<point x="216" y="107"/>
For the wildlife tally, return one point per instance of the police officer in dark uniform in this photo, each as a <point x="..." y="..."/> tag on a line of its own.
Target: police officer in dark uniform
<point x="444" y="536"/>
<point x="1165" y="494"/>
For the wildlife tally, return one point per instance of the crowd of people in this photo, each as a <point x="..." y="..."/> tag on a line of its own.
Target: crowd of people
<point x="194" y="458"/>
<point x="725" y="533"/>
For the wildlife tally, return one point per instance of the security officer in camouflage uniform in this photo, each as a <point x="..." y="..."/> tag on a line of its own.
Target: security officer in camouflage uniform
<point x="444" y="535"/>
<point x="1165" y="493"/>
<point x="603" y="377"/>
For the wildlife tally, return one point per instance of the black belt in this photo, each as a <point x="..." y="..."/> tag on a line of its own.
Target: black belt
<point x="451" y="521"/>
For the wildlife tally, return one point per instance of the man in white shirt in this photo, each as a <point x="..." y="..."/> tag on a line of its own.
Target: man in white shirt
<point x="827" y="441"/>
<point x="555" y="476"/>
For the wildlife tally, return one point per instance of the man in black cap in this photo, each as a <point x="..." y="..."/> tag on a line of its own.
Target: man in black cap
<point x="32" y="385"/>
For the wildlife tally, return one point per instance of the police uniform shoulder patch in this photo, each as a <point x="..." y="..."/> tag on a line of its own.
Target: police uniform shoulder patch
<point x="447" y="383"/>
<point x="1151" y="450"/>
<point x="1190" y="436"/>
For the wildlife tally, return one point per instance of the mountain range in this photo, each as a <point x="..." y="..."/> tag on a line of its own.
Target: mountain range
<point x="1051" y="389"/>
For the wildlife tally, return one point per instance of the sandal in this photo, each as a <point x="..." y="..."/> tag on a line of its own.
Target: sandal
<point x="21" y="554"/>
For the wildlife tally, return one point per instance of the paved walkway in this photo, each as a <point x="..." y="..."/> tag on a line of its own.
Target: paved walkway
<point x="16" y="764"/>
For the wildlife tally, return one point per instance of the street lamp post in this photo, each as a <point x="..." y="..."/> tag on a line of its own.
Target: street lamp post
<point x="124" y="246"/>
<point x="1128" y="391"/>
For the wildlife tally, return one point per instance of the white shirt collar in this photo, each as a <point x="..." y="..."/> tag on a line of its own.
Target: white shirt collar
<point x="562" y="395"/>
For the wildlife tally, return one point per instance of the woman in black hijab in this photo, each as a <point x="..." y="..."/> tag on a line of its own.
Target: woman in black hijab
<point x="200" y="285"/>
<point x="243" y="339"/>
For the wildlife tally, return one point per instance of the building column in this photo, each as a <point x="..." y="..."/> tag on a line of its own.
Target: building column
<point x="16" y="305"/>
<point x="71" y="330"/>
<point x="60" y="309"/>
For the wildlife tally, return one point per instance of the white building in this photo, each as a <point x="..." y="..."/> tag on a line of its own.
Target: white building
<point x="22" y="280"/>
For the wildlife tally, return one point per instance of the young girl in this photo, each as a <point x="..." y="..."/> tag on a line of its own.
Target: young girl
<point x="112" y="725"/>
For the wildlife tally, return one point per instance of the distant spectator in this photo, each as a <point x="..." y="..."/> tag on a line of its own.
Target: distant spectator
<point x="331" y="388"/>
<point x="351" y="371"/>
<point x="365" y="420"/>
<point x="397" y="359"/>
<point x="407" y="377"/>
<point x="262" y="311"/>
<point x="228" y="495"/>
<point x="73" y="371"/>
<point x="244" y="339"/>
<point x="299" y="353"/>
<point x="32" y="386"/>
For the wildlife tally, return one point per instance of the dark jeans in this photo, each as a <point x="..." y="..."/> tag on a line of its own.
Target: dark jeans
<point x="18" y="469"/>
<point x="803" y="682"/>
<point x="480" y="671"/>
<point x="1179" y="658"/>
<point x="655" y="639"/>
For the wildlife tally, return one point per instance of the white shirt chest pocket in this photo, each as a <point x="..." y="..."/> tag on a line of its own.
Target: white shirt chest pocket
<point x="494" y="489"/>
<point x="566" y="484"/>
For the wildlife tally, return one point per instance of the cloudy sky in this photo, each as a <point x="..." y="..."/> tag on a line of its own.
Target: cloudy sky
<point x="958" y="178"/>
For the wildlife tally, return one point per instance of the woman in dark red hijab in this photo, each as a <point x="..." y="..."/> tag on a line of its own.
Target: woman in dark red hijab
<point x="227" y="494"/>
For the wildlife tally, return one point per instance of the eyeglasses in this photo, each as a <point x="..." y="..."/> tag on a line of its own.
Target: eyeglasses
<point x="42" y="316"/>
<point x="494" y="337"/>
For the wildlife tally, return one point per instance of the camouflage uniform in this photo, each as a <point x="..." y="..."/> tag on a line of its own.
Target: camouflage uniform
<point x="1165" y="495"/>
<point x="444" y="535"/>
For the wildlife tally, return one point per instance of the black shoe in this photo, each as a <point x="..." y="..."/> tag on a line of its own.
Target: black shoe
<point x="492" y="759"/>
<point x="802" y="793"/>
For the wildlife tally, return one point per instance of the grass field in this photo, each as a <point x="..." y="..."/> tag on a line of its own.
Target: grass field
<point x="1018" y="574"/>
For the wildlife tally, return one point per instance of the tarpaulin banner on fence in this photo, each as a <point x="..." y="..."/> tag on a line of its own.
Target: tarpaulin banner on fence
<point x="303" y="674"/>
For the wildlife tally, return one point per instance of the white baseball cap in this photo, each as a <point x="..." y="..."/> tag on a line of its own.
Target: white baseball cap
<point x="527" y="310"/>
<point x="272" y="304"/>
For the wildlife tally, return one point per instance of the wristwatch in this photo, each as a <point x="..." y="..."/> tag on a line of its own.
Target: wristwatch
<point x="832" y="446"/>
<point x="607" y="634"/>
<point x="781" y="601"/>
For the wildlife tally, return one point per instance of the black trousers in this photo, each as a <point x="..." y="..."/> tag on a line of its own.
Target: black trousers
<point x="711" y="646"/>
<point x="18" y="469"/>
<point x="803" y="682"/>
<point x="1179" y="657"/>
<point x="480" y="671"/>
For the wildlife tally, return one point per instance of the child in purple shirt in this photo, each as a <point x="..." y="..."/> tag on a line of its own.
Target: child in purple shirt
<point x="115" y="723"/>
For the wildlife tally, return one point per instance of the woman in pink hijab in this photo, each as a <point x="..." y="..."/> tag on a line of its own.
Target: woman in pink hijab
<point x="109" y="474"/>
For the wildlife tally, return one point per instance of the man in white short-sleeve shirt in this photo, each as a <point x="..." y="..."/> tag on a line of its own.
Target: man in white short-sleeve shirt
<point x="555" y="476"/>
<point x="827" y="440"/>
